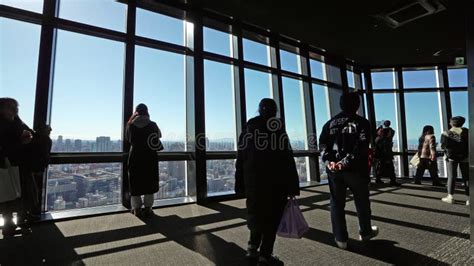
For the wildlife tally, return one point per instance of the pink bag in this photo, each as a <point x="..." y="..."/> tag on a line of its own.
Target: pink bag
<point x="292" y="224"/>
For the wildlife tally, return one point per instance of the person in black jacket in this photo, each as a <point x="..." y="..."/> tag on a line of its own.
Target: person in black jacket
<point x="144" y="137"/>
<point x="455" y="143"/>
<point x="344" y="146"/>
<point x="266" y="173"/>
<point x="14" y="137"/>
<point x="384" y="154"/>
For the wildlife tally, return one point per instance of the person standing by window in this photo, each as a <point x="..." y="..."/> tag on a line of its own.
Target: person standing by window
<point x="143" y="173"/>
<point x="455" y="143"/>
<point x="428" y="158"/>
<point x="384" y="154"/>
<point x="266" y="174"/>
<point x="344" y="146"/>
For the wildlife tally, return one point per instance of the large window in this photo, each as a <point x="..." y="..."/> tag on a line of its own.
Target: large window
<point x="105" y="13"/>
<point x="217" y="42"/>
<point x="173" y="181"/>
<point x="160" y="27"/>
<point x="72" y="186"/>
<point x="87" y="94"/>
<point x="290" y="61"/>
<point x="459" y="105"/>
<point x="350" y="79"/>
<point x="256" y="52"/>
<point x="321" y="107"/>
<point x="30" y="5"/>
<point x="160" y="84"/>
<point x="258" y="85"/>
<point x="220" y="177"/>
<point x="383" y="80"/>
<point x="294" y="112"/>
<point x="457" y="77"/>
<point x="422" y="108"/>
<point x="302" y="168"/>
<point x="219" y="106"/>
<point x="386" y="109"/>
<point x="19" y="48"/>
<point x="413" y="79"/>
<point x="317" y="69"/>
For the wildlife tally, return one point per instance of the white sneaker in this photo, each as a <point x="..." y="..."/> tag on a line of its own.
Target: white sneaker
<point x="467" y="203"/>
<point x="448" y="199"/>
<point x="341" y="245"/>
<point x="374" y="233"/>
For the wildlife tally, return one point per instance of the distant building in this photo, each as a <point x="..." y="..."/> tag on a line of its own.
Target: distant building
<point x="78" y="145"/>
<point x="103" y="144"/>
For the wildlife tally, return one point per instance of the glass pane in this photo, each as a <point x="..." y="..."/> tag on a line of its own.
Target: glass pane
<point x="420" y="79"/>
<point x="386" y="109"/>
<point x="173" y="183"/>
<point x="321" y="107"/>
<point x="322" y="169"/>
<point x="258" y="85"/>
<point x="160" y="27"/>
<point x="350" y="79"/>
<point x="220" y="177"/>
<point x="294" y="112"/>
<point x="302" y="168"/>
<point x="19" y="49"/>
<point x="30" y="5"/>
<point x="457" y="77"/>
<point x="217" y="42"/>
<point x="397" y="165"/>
<point x="256" y="52"/>
<point x="160" y="84"/>
<point x="317" y="69"/>
<point x="383" y="80"/>
<point x="290" y="61"/>
<point x="333" y="74"/>
<point x="363" y="80"/>
<point x="73" y="186"/>
<point x="219" y="102"/>
<point x="422" y="109"/>
<point x="459" y="105"/>
<point x="107" y="14"/>
<point x="87" y="93"/>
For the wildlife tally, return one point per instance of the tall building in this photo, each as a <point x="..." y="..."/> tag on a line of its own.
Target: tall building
<point x="102" y="144"/>
<point x="78" y="145"/>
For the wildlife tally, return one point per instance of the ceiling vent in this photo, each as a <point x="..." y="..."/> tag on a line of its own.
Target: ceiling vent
<point x="411" y="12"/>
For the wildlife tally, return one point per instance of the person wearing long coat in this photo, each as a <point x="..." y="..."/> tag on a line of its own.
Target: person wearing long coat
<point x="266" y="174"/>
<point x="144" y="137"/>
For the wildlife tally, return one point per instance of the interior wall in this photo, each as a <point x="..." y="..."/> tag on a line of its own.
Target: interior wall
<point x="470" y="67"/>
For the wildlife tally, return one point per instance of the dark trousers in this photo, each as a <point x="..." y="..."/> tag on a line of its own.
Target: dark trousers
<point x="339" y="182"/>
<point x="263" y="224"/>
<point x="453" y="174"/>
<point x="385" y="168"/>
<point x="431" y="166"/>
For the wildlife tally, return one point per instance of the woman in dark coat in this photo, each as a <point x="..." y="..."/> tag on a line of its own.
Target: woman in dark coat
<point x="144" y="137"/>
<point x="266" y="173"/>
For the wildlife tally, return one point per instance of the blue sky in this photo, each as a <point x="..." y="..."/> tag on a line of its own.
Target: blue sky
<point x="88" y="83"/>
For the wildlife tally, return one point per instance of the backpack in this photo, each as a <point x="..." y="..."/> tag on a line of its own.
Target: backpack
<point x="456" y="145"/>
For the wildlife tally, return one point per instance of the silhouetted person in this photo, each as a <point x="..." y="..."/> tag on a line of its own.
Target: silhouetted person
<point x="14" y="135"/>
<point x="384" y="154"/>
<point x="266" y="173"/>
<point x="38" y="161"/>
<point x="455" y="143"/>
<point x="344" y="145"/>
<point x="427" y="153"/>
<point x="144" y="137"/>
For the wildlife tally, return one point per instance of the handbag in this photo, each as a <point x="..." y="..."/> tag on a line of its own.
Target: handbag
<point x="415" y="161"/>
<point x="10" y="186"/>
<point x="292" y="224"/>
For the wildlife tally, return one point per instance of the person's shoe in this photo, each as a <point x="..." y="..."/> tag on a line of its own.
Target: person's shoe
<point x="374" y="233"/>
<point x="137" y="212"/>
<point x="395" y="184"/>
<point x="252" y="252"/>
<point x="272" y="260"/>
<point x="147" y="212"/>
<point x="340" y="244"/>
<point x="378" y="181"/>
<point x="448" y="199"/>
<point x="467" y="203"/>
